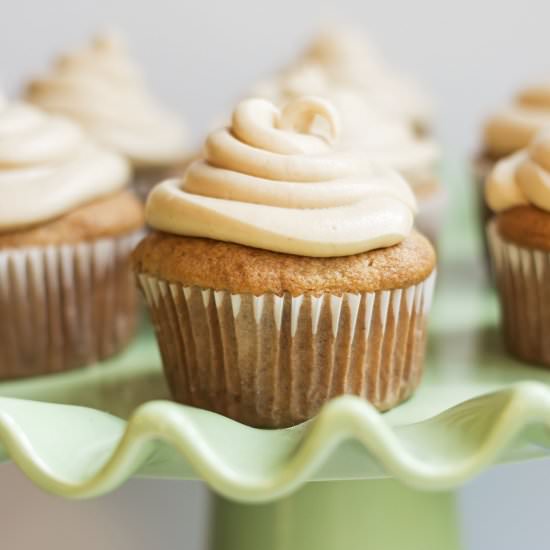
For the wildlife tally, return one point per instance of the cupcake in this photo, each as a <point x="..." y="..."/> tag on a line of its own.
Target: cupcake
<point x="67" y="227"/>
<point x="282" y="273"/>
<point x="347" y="59"/>
<point x="518" y="193"/>
<point x="508" y="131"/>
<point x="382" y="138"/>
<point x="100" y="88"/>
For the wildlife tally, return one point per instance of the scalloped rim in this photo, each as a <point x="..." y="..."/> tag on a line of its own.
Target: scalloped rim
<point x="500" y="420"/>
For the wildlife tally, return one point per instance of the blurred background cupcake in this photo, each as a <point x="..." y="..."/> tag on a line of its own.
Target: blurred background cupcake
<point x="282" y="272"/>
<point x="383" y="134"/>
<point x="102" y="89"/>
<point x="518" y="192"/>
<point x="67" y="226"/>
<point x="507" y="131"/>
<point x="348" y="59"/>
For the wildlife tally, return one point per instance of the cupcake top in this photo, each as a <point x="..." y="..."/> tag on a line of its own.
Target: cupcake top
<point x="349" y="59"/>
<point x="384" y="138"/>
<point x="271" y="181"/>
<point x="48" y="167"/>
<point x="522" y="178"/>
<point x="513" y="127"/>
<point x="102" y="89"/>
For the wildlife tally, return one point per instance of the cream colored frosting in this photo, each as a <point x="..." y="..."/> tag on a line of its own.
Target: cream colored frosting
<point x="513" y="127"/>
<point x="100" y="88"/>
<point x="48" y="167"/>
<point x="522" y="178"/>
<point x="270" y="181"/>
<point x="385" y="139"/>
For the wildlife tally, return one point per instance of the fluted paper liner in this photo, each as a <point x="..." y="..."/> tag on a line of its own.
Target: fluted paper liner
<point x="65" y="306"/>
<point x="273" y="361"/>
<point x="522" y="276"/>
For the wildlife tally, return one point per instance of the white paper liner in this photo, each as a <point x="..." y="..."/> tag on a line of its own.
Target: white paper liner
<point x="65" y="306"/>
<point x="522" y="276"/>
<point x="431" y="214"/>
<point x="273" y="361"/>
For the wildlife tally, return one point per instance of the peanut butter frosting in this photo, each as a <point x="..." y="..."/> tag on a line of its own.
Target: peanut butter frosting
<point x="513" y="127"/>
<point x="522" y="178"/>
<point x="101" y="88"/>
<point x="48" y="167"/>
<point x="384" y="138"/>
<point x="271" y="181"/>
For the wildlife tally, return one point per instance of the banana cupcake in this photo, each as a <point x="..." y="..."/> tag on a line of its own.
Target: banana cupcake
<point x="381" y="137"/>
<point x="100" y="88"/>
<point x="282" y="272"/>
<point x="67" y="227"/>
<point x="508" y="131"/>
<point x="518" y="192"/>
<point x="348" y="59"/>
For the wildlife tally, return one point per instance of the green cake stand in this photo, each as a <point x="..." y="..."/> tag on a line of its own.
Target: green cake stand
<point x="349" y="479"/>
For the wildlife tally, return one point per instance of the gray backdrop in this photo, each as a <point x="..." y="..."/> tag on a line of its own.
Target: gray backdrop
<point x="200" y="56"/>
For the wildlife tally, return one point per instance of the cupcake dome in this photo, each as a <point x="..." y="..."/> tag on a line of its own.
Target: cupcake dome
<point x="282" y="272"/>
<point x="102" y="89"/>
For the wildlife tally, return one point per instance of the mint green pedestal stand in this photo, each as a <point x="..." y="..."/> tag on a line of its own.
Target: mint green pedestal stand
<point x="340" y="515"/>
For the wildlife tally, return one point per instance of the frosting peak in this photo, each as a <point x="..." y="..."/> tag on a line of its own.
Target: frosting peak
<point x="522" y="178"/>
<point x="103" y="90"/>
<point x="274" y="180"/>
<point x="48" y="167"/>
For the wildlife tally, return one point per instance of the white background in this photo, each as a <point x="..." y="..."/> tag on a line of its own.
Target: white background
<point x="200" y="56"/>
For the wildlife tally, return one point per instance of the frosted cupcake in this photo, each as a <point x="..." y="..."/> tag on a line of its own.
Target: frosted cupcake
<point x="282" y="273"/>
<point x="519" y="240"/>
<point x="67" y="227"/>
<point x="348" y="59"/>
<point x="509" y="130"/>
<point x="101" y="89"/>
<point x="381" y="137"/>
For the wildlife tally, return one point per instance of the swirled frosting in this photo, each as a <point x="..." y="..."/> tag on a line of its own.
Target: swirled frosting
<point x="385" y="139"/>
<point x="269" y="181"/>
<point x="522" y="178"/>
<point x="100" y="88"/>
<point x="513" y="127"/>
<point x="48" y="167"/>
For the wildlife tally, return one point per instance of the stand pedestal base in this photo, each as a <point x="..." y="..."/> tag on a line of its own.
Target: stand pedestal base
<point x="342" y="515"/>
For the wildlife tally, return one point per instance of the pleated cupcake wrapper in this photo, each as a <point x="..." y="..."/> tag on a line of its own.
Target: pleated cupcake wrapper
<point x="273" y="361"/>
<point x="522" y="277"/>
<point x="431" y="214"/>
<point x="65" y="306"/>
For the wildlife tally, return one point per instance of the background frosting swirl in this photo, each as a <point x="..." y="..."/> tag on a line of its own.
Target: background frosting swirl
<point x="270" y="182"/>
<point x="48" y="167"/>
<point x="522" y="178"/>
<point x="100" y="88"/>
<point x="513" y="127"/>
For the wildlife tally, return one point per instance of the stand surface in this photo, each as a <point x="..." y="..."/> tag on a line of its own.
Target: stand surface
<point x="442" y="437"/>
